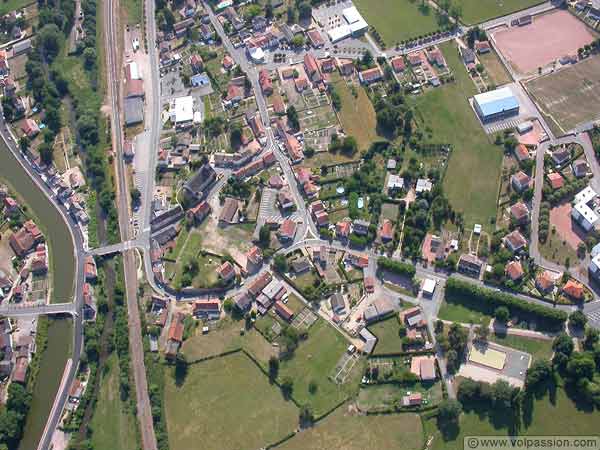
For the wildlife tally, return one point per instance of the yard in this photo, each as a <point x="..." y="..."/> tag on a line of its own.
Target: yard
<point x="113" y="426"/>
<point x="384" y="397"/>
<point x="390" y="211"/>
<point x="342" y="430"/>
<point x="537" y="348"/>
<point x="357" y="115"/>
<point x="545" y="414"/>
<point x="475" y="11"/>
<point x="388" y="340"/>
<point x="190" y="251"/>
<point x="397" y="20"/>
<point x="315" y="360"/>
<point x="558" y="250"/>
<point x="455" y="312"/>
<point x="227" y="337"/>
<point x="226" y="403"/>
<point x="447" y="112"/>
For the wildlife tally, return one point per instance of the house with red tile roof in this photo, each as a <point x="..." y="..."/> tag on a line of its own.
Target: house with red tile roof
<point x="520" y="181"/>
<point x="226" y="271"/>
<point x="545" y="281"/>
<point x="519" y="213"/>
<point x="386" y="231"/>
<point x="521" y="153"/>
<point x="30" y="128"/>
<point x="343" y="229"/>
<point x="573" y="289"/>
<point x="196" y="63"/>
<point x="328" y="65"/>
<point x="311" y="67"/>
<point x="370" y="76"/>
<point x="482" y="47"/>
<point x="254" y="255"/>
<point x="199" y="212"/>
<point x="556" y="180"/>
<point x="398" y="64"/>
<point x="90" y="270"/>
<point x="228" y="62"/>
<point x="287" y="230"/>
<point x="514" y="270"/>
<point x="264" y="79"/>
<point x="284" y="312"/>
<point x="515" y="241"/>
<point x="207" y="309"/>
<point x="315" y="38"/>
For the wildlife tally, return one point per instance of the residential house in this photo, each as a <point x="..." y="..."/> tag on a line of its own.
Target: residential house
<point x="243" y="301"/>
<point x="519" y="213"/>
<point x="315" y="38"/>
<point x="174" y="336"/>
<point x="545" y="282"/>
<point x="561" y="156"/>
<point x="521" y="153"/>
<point x="520" y="181"/>
<point x="283" y="311"/>
<point x="378" y="308"/>
<point x="264" y="79"/>
<point x="226" y="271"/>
<point x="398" y="64"/>
<point x="482" y="47"/>
<point x="556" y="180"/>
<point x="360" y="227"/>
<point x="196" y="63"/>
<point x="515" y="241"/>
<point x="423" y="367"/>
<point x="207" y="309"/>
<point x="260" y="283"/>
<point x="287" y="230"/>
<point x="470" y="265"/>
<point x="337" y="303"/>
<point x="423" y="185"/>
<point x="254" y="255"/>
<point x="436" y="57"/>
<point x="580" y="168"/>
<point x="229" y="211"/>
<point x="342" y="230"/>
<point x="199" y="212"/>
<point x="573" y="289"/>
<point x="514" y="270"/>
<point x="30" y="128"/>
<point x="386" y="231"/>
<point x="312" y="68"/>
<point x="370" y="76"/>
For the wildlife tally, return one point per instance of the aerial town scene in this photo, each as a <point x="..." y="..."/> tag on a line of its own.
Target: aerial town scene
<point x="299" y="224"/>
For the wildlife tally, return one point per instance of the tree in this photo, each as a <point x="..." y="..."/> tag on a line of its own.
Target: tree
<point x="287" y="387"/>
<point x="264" y="236"/>
<point x="592" y="336"/>
<point x="46" y="153"/>
<point x="539" y="373"/>
<point x="306" y="416"/>
<point x="50" y="39"/>
<point x="280" y="263"/>
<point x="291" y="15"/>
<point x="297" y="41"/>
<point x="501" y="314"/>
<point x="304" y="11"/>
<point x="273" y="368"/>
<point x="181" y="368"/>
<point x="503" y="394"/>
<point x="482" y="333"/>
<point x="578" y="320"/>
<point x="136" y="196"/>
<point x="269" y="10"/>
<point x="449" y="411"/>
<point x="367" y="59"/>
<point x="292" y="116"/>
<point x="563" y="344"/>
<point x="580" y="366"/>
<point x="313" y="387"/>
<point x="89" y="58"/>
<point x="235" y="135"/>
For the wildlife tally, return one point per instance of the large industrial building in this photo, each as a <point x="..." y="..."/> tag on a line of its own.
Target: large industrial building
<point x="495" y="105"/>
<point x="355" y="25"/>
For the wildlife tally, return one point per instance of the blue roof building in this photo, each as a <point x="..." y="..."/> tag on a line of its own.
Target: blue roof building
<point x="494" y="105"/>
<point x="200" y="79"/>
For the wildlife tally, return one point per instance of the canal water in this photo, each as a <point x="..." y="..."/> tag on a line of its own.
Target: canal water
<point x="62" y="267"/>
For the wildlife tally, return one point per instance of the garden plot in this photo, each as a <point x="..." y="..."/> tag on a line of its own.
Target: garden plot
<point x="304" y="319"/>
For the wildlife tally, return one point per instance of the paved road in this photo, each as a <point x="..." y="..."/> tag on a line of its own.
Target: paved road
<point x="37" y="309"/>
<point x="144" y="410"/>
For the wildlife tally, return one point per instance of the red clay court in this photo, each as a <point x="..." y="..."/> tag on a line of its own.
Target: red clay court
<point x="548" y="38"/>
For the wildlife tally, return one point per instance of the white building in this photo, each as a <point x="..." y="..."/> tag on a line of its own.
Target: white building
<point x="257" y="55"/>
<point x="594" y="267"/>
<point x="582" y="213"/>
<point x="429" y="287"/>
<point x="182" y="111"/>
<point x="355" y="25"/>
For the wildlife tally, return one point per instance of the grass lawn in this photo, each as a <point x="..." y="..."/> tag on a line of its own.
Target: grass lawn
<point x="207" y="264"/>
<point x="388" y="340"/>
<point x="494" y="68"/>
<point x="538" y="348"/>
<point x="134" y="11"/>
<point x="315" y="360"/>
<point x="447" y="112"/>
<point x="306" y="279"/>
<point x="357" y="114"/>
<point x="113" y="427"/>
<point x="475" y="11"/>
<point x="341" y="430"/>
<point x="179" y="243"/>
<point x="397" y="20"/>
<point x="225" y="338"/>
<point x="390" y="211"/>
<point x="226" y="404"/>
<point x="295" y="304"/>
<point x="459" y="313"/>
<point x="10" y="5"/>
<point x="557" y="250"/>
<point x="383" y="396"/>
<point x="547" y="416"/>
<point x="265" y="324"/>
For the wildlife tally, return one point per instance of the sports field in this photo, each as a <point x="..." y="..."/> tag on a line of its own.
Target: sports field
<point x="476" y="11"/>
<point x="447" y="112"/>
<point x="226" y="403"/>
<point x="487" y="357"/>
<point x="342" y="430"/>
<point x="571" y="96"/>
<point x="548" y="38"/>
<point x="397" y="20"/>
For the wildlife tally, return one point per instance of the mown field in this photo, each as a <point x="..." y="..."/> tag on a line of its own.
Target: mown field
<point x="226" y="403"/>
<point x="113" y="428"/>
<point x="388" y="340"/>
<point x="341" y="430"/>
<point x="397" y="20"/>
<point x="475" y="11"/>
<point x="537" y="348"/>
<point x="472" y="179"/>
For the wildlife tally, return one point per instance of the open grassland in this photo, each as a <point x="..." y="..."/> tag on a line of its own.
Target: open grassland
<point x="571" y="96"/>
<point x="397" y="20"/>
<point x="11" y="5"/>
<point x="226" y="403"/>
<point x="315" y="360"/>
<point x="225" y="338"/>
<point x="537" y="348"/>
<point x="113" y="428"/>
<point x="343" y="431"/>
<point x="494" y="68"/>
<point x="388" y="340"/>
<point x="384" y="397"/>
<point x="357" y="114"/>
<point x="472" y="178"/>
<point x="456" y="312"/>
<point x="475" y="11"/>
<point x="548" y="418"/>
<point x="133" y="8"/>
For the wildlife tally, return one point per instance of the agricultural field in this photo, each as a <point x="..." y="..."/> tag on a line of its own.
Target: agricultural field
<point x="114" y="427"/>
<point x="315" y="360"/>
<point x="397" y="20"/>
<point x="447" y="112"/>
<point x="537" y="348"/>
<point x="226" y="403"/>
<point x="342" y="430"/>
<point x="475" y="11"/>
<point x="569" y="97"/>
<point x="545" y="413"/>
<point x="357" y="115"/>
<point x="388" y="340"/>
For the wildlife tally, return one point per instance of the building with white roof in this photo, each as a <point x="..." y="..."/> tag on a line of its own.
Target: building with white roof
<point x="594" y="267"/>
<point x="257" y="54"/>
<point x="585" y="196"/>
<point x="355" y="25"/>
<point x="429" y="287"/>
<point x="582" y="213"/>
<point x="339" y="33"/>
<point x="182" y="111"/>
<point x="495" y="105"/>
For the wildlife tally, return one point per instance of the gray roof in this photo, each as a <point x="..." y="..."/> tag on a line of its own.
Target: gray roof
<point x="370" y="340"/>
<point x="134" y="110"/>
<point x="337" y="301"/>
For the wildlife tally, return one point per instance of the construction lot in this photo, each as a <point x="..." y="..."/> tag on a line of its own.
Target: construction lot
<point x="571" y="96"/>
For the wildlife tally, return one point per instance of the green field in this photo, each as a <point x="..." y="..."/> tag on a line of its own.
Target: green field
<point x="549" y="418"/>
<point x="494" y="68"/>
<point x="476" y="11"/>
<point x="472" y="178"/>
<point x="134" y="11"/>
<point x="315" y="360"/>
<point x="397" y="20"/>
<point x="341" y="430"/>
<point x="10" y="5"/>
<point x="455" y="312"/>
<point x="388" y="340"/>
<point x="537" y="348"/>
<point x="357" y="114"/>
<point x="112" y="427"/>
<point x="226" y="403"/>
<point x="383" y="397"/>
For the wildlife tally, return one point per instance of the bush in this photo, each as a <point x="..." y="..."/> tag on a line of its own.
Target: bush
<point x="396" y="267"/>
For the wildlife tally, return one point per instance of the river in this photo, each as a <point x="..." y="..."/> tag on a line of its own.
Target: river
<point x="62" y="268"/>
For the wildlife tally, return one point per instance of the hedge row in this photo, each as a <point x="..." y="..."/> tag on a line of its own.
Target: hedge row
<point x="487" y="300"/>
<point x="397" y="267"/>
